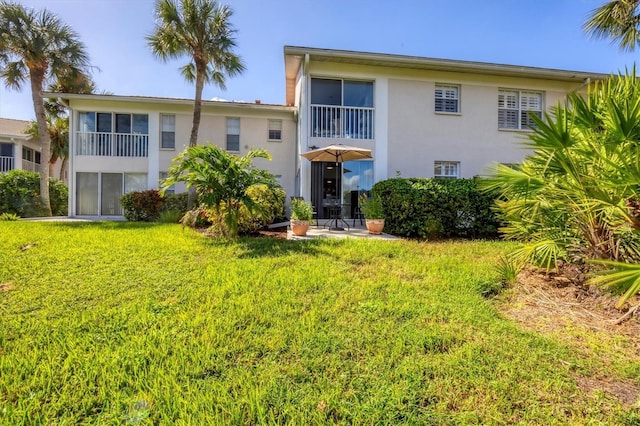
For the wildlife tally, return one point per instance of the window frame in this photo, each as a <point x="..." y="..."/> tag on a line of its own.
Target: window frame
<point x="269" y="130"/>
<point x="519" y="110"/>
<point x="162" y="175"/>
<point x="444" y="164"/>
<point x="162" y="132"/>
<point x="228" y="121"/>
<point x="441" y="86"/>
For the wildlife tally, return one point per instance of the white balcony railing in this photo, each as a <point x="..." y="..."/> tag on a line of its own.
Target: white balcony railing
<point x="6" y="164"/>
<point x="112" y="144"/>
<point x="30" y="166"/>
<point x="329" y="121"/>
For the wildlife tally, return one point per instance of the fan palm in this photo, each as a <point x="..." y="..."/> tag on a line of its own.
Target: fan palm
<point x="35" y="46"/>
<point x="577" y="196"/>
<point x="617" y="20"/>
<point x="201" y="31"/>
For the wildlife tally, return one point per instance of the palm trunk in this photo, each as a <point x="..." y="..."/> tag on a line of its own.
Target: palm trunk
<point x="37" y="78"/>
<point x="197" y="111"/>
<point x="63" y="167"/>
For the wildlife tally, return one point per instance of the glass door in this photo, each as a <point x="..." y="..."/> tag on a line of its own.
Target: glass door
<point x="111" y="193"/>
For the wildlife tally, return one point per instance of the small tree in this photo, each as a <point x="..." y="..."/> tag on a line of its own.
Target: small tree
<point x="221" y="180"/>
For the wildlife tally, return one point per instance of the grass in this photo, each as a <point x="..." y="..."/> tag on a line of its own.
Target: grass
<point x="111" y="323"/>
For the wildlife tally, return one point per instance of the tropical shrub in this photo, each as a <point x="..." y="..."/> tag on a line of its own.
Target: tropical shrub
<point x="176" y="202"/>
<point x="9" y="217"/>
<point x="577" y="197"/>
<point x="301" y="210"/>
<point x="371" y="207"/>
<point x="222" y="181"/>
<point x="142" y="206"/>
<point x="20" y="194"/>
<point x="431" y="208"/>
<point x="269" y="204"/>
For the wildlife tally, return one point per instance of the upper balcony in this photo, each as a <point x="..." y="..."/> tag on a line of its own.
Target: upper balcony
<point x="341" y="109"/>
<point x="112" y="144"/>
<point x="329" y="121"/>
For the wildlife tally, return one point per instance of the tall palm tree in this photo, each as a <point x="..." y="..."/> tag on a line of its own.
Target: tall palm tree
<point x="201" y="31"/>
<point x="35" y="46"/>
<point x="617" y="20"/>
<point x="58" y="128"/>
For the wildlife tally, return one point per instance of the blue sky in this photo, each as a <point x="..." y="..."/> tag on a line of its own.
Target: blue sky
<point x="542" y="33"/>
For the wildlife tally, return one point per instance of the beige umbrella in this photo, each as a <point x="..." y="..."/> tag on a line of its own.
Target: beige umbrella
<point x="338" y="153"/>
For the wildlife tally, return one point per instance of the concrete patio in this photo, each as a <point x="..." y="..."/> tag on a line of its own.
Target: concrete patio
<point x="322" y="230"/>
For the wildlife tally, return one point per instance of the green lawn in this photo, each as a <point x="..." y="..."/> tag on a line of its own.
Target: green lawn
<point x="112" y="323"/>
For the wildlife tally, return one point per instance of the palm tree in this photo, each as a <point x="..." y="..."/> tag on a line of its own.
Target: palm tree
<point x="577" y="197"/>
<point x="617" y="20"/>
<point x="36" y="45"/>
<point x="201" y="31"/>
<point x="58" y="128"/>
<point x="222" y="181"/>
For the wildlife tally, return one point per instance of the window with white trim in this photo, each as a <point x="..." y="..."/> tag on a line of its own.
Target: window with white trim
<point x="171" y="189"/>
<point x="515" y="107"/>
<point x="233" y="134"/>
<point x="167" y="131"/>
<point x="446" y="169"/>
<point x="447" y="98"/>
<point x="275" y="130"/>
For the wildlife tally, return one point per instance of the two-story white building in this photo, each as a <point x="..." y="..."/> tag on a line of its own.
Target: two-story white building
<point x="18" y="149"/>
<point x="420" y="117"/>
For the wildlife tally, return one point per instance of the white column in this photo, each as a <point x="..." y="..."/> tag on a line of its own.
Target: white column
<point x="303" y="140"/>
<point x="71" y="209"/>
<point x="381" y="160"/>
<point x="153" y="159"/>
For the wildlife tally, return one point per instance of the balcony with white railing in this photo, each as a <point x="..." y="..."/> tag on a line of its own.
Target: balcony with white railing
<point x="330" y="121"/>
<point x="112" y="144"/>
<point x="30" y="166"/>
<point x="6" y="164"/>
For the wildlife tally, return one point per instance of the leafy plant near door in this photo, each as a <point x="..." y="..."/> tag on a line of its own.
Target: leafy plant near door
<point x="301" y="216"/>
<point x="373" y="213"/>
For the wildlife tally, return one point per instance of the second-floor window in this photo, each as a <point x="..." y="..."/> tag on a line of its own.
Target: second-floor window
<point x="515" y="107"/>
<point x="342" y="108"/>
<point x="233" y="134"/>
<point x="168" y="131"/>
<point x="447" y="98"/>
<point x="275" y="130"/>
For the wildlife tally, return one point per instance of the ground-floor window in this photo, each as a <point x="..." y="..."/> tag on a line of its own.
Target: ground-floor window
<point x="98" y="194"/>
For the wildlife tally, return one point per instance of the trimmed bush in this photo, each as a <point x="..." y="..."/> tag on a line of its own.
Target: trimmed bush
<point x="142" y="206"/>
<point x="435" y="208"/>
<point x="20" y="194"/>
<point x="176" y="203"/>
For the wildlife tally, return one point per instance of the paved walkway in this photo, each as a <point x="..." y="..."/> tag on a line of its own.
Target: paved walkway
<point x="353" y="232"/>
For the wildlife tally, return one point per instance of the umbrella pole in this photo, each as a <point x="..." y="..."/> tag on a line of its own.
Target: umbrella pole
<point x="337" y="208"/>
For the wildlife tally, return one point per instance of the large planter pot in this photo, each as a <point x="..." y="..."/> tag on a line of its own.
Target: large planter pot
<point x="375" y="226"/>
<point x="299" y="227"/>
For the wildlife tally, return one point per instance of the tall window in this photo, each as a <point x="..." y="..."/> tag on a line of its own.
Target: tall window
<point x="514" y="107"/>
<point x="233" y="134"/>
<point x="447" y="98"/>
<point x="275" y="130"/>
<point x="446" y="169"/>
<point x="168" y="131"/>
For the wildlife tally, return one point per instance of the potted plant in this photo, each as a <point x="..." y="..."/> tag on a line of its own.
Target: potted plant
<point x="373" y="213"/>
<point x="301" y="216"/>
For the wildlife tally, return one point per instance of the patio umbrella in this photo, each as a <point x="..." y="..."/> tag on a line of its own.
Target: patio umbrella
<point x="339" y="154"/>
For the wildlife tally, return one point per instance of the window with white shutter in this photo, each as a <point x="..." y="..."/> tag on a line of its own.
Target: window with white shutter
<point x="447" y="98"/>
<point x="515" y="107"/>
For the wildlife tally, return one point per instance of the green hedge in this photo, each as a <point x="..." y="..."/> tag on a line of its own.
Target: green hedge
<point x="20" y="194"/>
<point x="434" y="208"/>
<point x="142" y="206"/>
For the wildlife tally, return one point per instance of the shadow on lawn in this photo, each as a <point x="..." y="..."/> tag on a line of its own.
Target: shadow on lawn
<point x="251" y="247"/>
